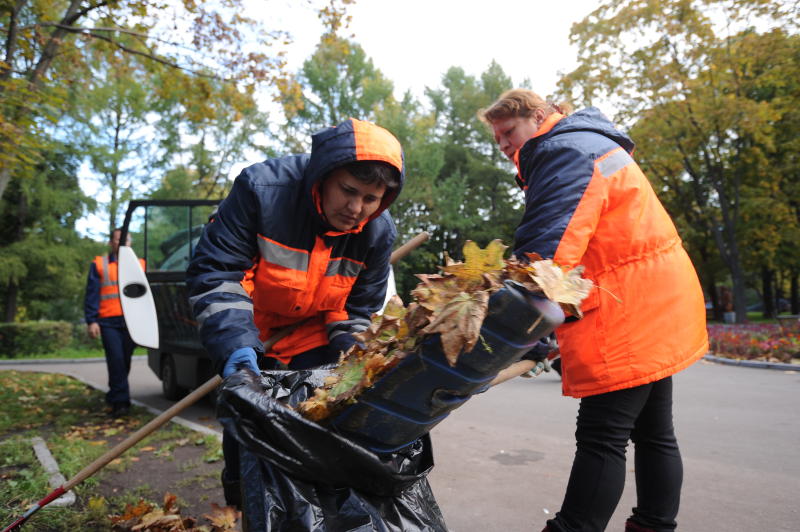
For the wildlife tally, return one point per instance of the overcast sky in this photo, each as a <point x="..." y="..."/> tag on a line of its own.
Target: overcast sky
<point x="414" y="42"/>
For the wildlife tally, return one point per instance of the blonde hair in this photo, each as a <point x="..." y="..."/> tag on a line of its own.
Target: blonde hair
<point x="522" y="103"/>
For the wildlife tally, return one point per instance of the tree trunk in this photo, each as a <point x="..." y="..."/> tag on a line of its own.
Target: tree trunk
<point x="739" y="300"/>
<point x="729" y="250"/>
<point x="767" y="293"/>
<point x="5" y="178"/>
<point x="711" y="289"/>
<point x="795" y="293"/>
<point x="10" y="310"/>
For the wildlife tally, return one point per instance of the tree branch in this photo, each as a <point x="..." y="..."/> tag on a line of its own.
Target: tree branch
<point x="78" y="29"/>
<point x="50" y="48"/>
<point x="78" y="14"/>
<point x="152" y="57"/>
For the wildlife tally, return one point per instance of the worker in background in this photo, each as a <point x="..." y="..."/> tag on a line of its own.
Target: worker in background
<point x="103" y="313"/>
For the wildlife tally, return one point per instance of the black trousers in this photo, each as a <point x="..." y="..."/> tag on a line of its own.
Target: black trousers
<point x="312" y="358"/>
<point x="118" y="348"/>
<point x="605" y="424"/>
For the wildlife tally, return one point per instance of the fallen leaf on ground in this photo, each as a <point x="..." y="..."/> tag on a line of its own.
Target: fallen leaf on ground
<point x="223" y="517"/>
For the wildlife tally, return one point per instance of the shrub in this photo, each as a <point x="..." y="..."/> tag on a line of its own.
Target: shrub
<point x="81" y="340"/>
<point x="34" y="338"/>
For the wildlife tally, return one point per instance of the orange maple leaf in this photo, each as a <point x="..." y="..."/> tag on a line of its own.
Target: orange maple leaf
<point x="459" y="323"/>
<point x="133" y="511"/>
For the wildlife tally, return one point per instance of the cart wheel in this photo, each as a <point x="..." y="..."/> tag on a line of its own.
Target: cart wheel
<point x="169" y="380"/>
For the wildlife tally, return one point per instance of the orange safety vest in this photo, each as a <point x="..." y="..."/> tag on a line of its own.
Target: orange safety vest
<point x="298" y="286"/>
<point x="109" y="290"/>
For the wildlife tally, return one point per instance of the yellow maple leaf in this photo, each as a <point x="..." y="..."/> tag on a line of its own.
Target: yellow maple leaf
<point x="565" y="288"/>
<point x="394" y="308"/>
<point x="97" y="504"/>
<point x="316" y="407"/>
<point x="453" y="305"/>
<point x="477" y="261"/>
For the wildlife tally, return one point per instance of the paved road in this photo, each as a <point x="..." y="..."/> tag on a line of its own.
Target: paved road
<point x="503" y="459"/>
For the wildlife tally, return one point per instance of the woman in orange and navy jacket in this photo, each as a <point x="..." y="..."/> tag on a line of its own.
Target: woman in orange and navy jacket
<point x="588" y="203"/>
<point x="301" y="241"/>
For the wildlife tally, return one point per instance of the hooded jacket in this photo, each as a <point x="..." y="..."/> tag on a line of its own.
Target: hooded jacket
<point x="587" y="202"/>
<point x="269" y="259"/>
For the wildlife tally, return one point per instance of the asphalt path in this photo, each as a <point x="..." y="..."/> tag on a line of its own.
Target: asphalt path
<point x="503" y="459"/>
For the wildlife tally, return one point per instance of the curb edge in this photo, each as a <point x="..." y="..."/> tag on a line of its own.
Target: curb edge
<point x="761" y="364"/>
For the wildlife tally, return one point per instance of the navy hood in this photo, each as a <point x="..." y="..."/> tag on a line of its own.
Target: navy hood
<point x="353" y="140"/>
<point x="590" y="119"/>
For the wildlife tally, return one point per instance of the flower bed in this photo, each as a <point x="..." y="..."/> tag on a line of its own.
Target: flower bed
<point x="763" y="341"/>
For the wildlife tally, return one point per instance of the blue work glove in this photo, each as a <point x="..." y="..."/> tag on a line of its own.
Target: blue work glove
<point x="244" y="357"/>
<point x="539" y="352"/>
<point x="342" y="342"/>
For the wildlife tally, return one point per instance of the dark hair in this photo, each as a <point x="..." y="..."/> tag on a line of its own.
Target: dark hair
<point x="118" y="230"/>
<point x="374" y="171"/>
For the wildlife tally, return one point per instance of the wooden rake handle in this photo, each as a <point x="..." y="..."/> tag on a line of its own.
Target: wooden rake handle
<point x="118" y="449"/>
<point x="143" y="432"/>
<point x="200" y="392"/>
<point x="514" y="370"/>
<point x="177" y="408"/>
<point x="408" y="247"/>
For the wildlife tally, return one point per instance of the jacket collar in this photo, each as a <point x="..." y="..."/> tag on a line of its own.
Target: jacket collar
<point x="545" y="128"/>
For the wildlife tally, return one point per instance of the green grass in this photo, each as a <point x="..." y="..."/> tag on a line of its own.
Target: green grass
<point x="758" y="317"/>
<point x="71" y="353"/>
<point x="70" y="417"/>
<point x="752" y="317"/>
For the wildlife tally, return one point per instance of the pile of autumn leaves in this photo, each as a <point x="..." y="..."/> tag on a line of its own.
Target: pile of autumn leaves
<point x="147" y="517"/>
<point x="452" y="304"/>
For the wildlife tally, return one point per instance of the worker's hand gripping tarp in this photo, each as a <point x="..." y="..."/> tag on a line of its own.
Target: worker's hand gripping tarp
<point x="298" y="475"/>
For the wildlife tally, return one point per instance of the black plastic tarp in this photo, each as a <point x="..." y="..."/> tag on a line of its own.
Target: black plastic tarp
<point x="299" y="475"/>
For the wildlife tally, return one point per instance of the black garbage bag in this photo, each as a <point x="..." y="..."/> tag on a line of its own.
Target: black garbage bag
<point x="298" y="475"/>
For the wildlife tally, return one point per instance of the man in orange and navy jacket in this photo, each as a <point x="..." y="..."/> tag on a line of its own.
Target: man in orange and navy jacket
<point x="301" y="241"/>
<point x="103" y="313"/>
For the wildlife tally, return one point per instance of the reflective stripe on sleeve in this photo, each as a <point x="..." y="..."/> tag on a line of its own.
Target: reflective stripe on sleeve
<point x="227" y="288"/>
<point x="214" y="308"/>
<point x="614" y="163"/>
<point x="336" y="328"/>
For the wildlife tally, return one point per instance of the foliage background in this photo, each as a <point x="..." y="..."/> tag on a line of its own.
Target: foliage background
<point x="162" y="101"/>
